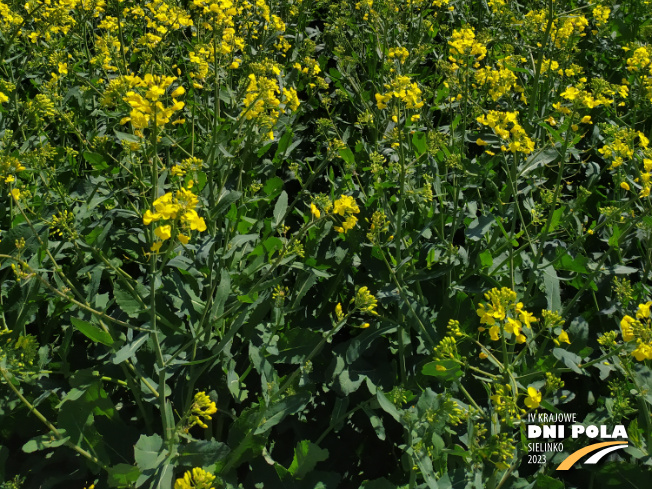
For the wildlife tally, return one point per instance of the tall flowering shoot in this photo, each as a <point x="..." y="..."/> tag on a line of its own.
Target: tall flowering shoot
<point x="505" y="125"/>
<point x="638" y="330"/>
<point x="502" y="314"/>
<point x="178" y="212"/>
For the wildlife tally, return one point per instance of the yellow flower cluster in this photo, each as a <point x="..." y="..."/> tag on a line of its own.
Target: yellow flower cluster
<point x="505" y="403"/>
<point x="400" y="53"/>
<point x="639" y="329"/>
<point x="640" y="63"/>
<point x="601" y="15"/>
<point x="202" y="409"/>
<point x="171" y="207"/>
<point x="403" y="89"/>
<point x="504" y="315"/>
<point x="568" y="27"/>
<point x="9" y="167"/>
<point x="499" y="81"/>
<point x="346" y="206"/>
<point x="365" y="301"/>
<point x="581" y="98"/>
<point x="191" y="164"/>
<point x="640" y="59"/>
<point x="465" y="49"/>
<point x="562" y="30"/>
<point x="160" y="17"/>
<point x="505" y="125"/>
<point x="196" y="478"/>
<point x="8" y="19"/>
<point x="261" y="101"/>
<point x="148" y="108"/>
<point x="622" y="148"/>
<point x="497" y="6"/>
<point x="51" y="18"/>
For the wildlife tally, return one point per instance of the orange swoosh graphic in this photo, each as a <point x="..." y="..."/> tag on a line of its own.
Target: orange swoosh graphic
<point x="575" y="456"/>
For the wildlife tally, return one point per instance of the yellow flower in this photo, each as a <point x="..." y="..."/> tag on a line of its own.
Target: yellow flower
<point x="494" y="332"/>
<point x="156" y="246"/>
<point x="563" y="337"/>
<point x="196" y="478"/>
<point x="315" y="212"/>
<point x="643" y="310"/>
<point x="178" y="92"/>
<point x="480" y="142"/>
<point x="163" y="232"/>
<point x="338" y="312"/>
<point x="196" y="222"/>
<point x="202" y="409"/>
<point x="643" y="351"/>
<point x="533" y="398"/>
<point x="15" y="193"/>
<point x="624" y="185"/>
<point x="183" y="238"/>
<point x="3" y="98"/>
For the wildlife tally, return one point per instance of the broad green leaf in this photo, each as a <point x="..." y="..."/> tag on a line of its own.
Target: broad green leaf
<point x="44" y="442"/>
<point x="127" y="300"/>
<point x="444" y="369"/>
<point x="96" y="160"/>
<point x="280" y="208"/>
<point x="149" y="452"/>
<point x="201" y="453"/>
<point x="479" y="227"/>
<point x="306" y="456"/>
<point x="129" y="350"/>
<point x="94" y="333"/>
<point x="276" y="413"/>
<point x="486" y="260"/>
<point x="123" y="475"/>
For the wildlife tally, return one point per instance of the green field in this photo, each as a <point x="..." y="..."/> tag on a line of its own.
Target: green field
<point x="309" y="244"/>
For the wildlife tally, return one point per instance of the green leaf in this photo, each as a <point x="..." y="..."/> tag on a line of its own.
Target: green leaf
<point x="296" y="344"/>
<point x="556" y="218"/>
<point x="46" y="441"/>
<point x="94" y="333"/>
<point x="130" y="349"/>
<point x="615" y="237"/>
<point x="202" y="453"/>
<point x="444" y="369"/>
<point x="570" y="359"/>
<point x="281" y="409"/>
<point x="551" y="288"/>
<point x="306" y="456"/>
<point x="125" y="137"/>
<point x="486" y="260"/>
<point x="479" y="227"/>
<point x="272" y="186"/>
<point x="347" y="155"/>
<point x="547" y="482"/>
<point x="419" y="142"/>
<point x="280" y="208"/>
<point x="96" y="160"/>
<point x="149" y="452"/>
<point x="123" y="475"/>
<point x="129" y="304"/>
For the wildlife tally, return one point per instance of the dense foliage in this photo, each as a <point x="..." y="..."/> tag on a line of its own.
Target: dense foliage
<point x="300" y="244"/>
